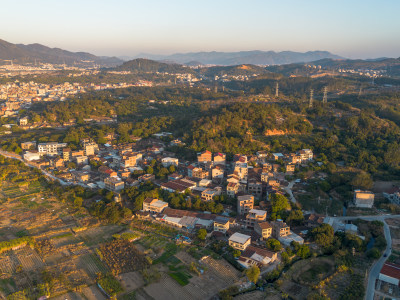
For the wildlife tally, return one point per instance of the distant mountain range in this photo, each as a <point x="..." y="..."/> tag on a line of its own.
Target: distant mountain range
<point x="242" y="57"/>
<point x="20" y="53"/>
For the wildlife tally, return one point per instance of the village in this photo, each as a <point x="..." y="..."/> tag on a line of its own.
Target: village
<point x="253" y="181"/>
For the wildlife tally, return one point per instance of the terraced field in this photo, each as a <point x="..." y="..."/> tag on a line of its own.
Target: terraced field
<point x="91" y="264"/>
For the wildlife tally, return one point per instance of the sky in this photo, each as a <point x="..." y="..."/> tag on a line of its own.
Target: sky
<point x="350" y="28"/>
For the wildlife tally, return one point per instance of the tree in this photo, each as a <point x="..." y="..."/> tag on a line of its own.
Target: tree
<point x="126" y="213"/>
<point x="362" y="180"/>
<point x="323" y="235"/>
<point x="171" y="169"/>
<point x="35" y="118"/>
<point x="285" y="257"/>
<point x="202" y="234"/>
<point x="279" y="203"/>
<point x="78" y="202"/>
<point x="253" y="273"/>
<point x="149" y="170"/>
<point x="392" y="156"/>
<point x="295" y="217"/>
<point x="236" y="253"/>
<point x="303" y="251"/>
<point x="373" y="253"/>
<point x="273" y="245"/>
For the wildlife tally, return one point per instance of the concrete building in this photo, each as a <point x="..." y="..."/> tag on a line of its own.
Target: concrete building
<point x="264" y="229"/>
<point x="255" y="188"/>
<point x="239" y="241"/>
<point x="30" y="156"/>
<point x="254" y="216"/>
<point x="82" y="160"/>
<point x="232" y="188"/>
<point x="209" y="194"/>
<point x="114" y="184"/>
<point x="90" y="148"/>
<point x="245" y="204"/>
<point x="363" y="199"/>
<point x="154" y="205"/>
<point x="390" y="273"/>
<point x="204" y="156"/>
<point x="221" y="224"/>
<point x="280" y="228"/>
<point x="28" y="145"/>
<point x="169" y="161"/>
<point x="66" y="154"/>
<point x="51" y="148"/>
<point x="254" y="256"/>
<point x="219" y="158"/>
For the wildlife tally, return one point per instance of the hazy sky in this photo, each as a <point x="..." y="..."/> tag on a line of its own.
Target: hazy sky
<point x="351" y="28"/>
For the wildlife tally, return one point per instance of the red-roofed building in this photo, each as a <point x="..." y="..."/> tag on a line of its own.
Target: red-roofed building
<point x="204" y="156"/>
<point x="219" y="158"/>
<point x="256" y="256"/>
<point x="390" y="273"/>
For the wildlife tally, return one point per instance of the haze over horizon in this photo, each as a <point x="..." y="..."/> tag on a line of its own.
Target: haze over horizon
<point x="359" y="29"/>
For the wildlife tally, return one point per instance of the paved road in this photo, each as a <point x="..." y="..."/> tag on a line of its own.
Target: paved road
<point x="288" y="189"/>
<point x="377" y="266"/>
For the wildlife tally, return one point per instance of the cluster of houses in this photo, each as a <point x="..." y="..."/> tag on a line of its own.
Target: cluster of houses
<point x="247" y="179"/>
<point x="247" y="232"/>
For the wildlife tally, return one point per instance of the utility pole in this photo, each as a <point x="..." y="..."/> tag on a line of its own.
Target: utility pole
<point x="277" y="90"/>
<point x="310" y="105"/>
<point x="325" y="99"/>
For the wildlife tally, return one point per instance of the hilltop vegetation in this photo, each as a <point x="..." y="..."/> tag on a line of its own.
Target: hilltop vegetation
<point x="140" y="65"/>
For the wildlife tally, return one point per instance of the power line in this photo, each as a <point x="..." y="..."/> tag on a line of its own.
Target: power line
<point x="325" y="99"/>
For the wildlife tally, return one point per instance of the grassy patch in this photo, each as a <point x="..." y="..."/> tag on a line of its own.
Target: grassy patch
<point x="181" y="277"/>
<point x="5" y="285"/>
<point x="170" y="250"/>
<point x="128" y="296"/>
<point x="316" y="272"/>
<point x="111" y="285"/>
<point x="67" y="234"/>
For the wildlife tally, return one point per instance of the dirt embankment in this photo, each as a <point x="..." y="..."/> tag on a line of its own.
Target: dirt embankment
<point x="270" y="132"/>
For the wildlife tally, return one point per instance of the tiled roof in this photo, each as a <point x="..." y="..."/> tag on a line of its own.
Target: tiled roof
<point x="391" y="270"/>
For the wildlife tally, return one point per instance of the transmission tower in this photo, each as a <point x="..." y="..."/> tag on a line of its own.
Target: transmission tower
<point x="360" y="92"/>
<point x="277" y="90"/>
<point x="310" y="105"/>
<point x="325" y="99"/>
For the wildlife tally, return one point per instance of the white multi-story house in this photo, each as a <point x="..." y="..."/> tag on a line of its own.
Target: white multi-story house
<point x="169" y="161"/>
<point x="51" y="148"/>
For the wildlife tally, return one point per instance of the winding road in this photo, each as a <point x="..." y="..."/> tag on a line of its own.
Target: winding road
<point x="377" y="266"/>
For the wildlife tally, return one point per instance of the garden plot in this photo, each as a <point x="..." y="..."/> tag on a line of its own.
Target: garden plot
<point x="220" y="272"/>
<point x="169" y="289"/>
<point x="91" y="264"/>
<point x="98" y="235"/>
<point x="131" y="281"/>
<point x="29" y="258"/>
<point x="8" y="265"/>
<point x="122" y="256"/>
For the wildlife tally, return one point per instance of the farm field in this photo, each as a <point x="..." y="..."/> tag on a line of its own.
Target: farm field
<point x="71" y="249"/>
